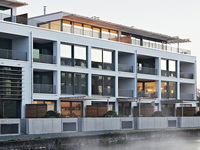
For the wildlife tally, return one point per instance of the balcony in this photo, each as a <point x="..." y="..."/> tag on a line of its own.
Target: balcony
<point x="186" y="96"/>
<point x="71" y="90"/>
<point x="125" y="93"/>
<point x="108" y="92"/>
<point x="147" y="70"/>
<point x="42" y="58"/>
<point x="144" y="94"/>
<point x="44" y="88"/>
<point x="167" y="95"/>
<point x="13" y="54"/>
<point x="167" y="73"/>
<point x="125" y="68"/>
<point x="186" y="75"/>
<point x="108" y="66"/>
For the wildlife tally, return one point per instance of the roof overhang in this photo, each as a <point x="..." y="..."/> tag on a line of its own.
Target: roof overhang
<point x="131" y="30"/>
<point x="178" y="101"/>
<point x="126" y="99"/>
<point x="12" y="3"/>
<point x="84" y="98"/>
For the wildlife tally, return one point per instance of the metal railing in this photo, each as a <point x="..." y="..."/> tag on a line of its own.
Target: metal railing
<point x="81" y="89"/>
<point x="168" y="95"/>
<point x="42" y="58"/>
<point x="67" y="61"/>
<point x="125" y="93"/>
<point x="147" y="70"/>
<point x="125" y="67"/>
<point x="108" y="92"/>
<point x="147" y="94"/>
<point x="44" y="88"/>
<point x="186" y="75"/>
<point x="67" y="89"/>
<point x="108" y="66"/>
<point x="167" y="73"/>
<point x="186" y="96"/>
<point x="13" y="54"/>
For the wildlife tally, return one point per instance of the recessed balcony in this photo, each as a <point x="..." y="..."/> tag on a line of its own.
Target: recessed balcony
<point x="125" y="93"/>
<point x="44" y="88"/>
<point x="13" y="54"/>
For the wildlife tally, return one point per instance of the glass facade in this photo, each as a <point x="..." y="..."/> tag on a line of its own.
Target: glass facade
<point x="53" y="103"/>
<point x="168" y="90"/>
<point x="43" y="53"/>
<point x="73" y="55"/>
<point x="72" y="109"/>
<point x="103" y="85"/>
<point x="146" y="89"/>
<point x="102" y="59"/>
<point x="168" y="68"/>
<point x="73" y="83"/>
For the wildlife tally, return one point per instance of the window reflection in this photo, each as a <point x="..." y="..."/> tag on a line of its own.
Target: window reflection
<point x="80" y="56"/>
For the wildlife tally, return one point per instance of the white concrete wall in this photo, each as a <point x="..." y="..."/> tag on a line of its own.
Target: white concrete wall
<point x="11" y="121"/>
<point x="190" y="122"/>
<point x="154" y="122"/>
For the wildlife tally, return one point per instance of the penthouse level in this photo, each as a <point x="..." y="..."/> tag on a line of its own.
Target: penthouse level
<point x="71" y="62"/>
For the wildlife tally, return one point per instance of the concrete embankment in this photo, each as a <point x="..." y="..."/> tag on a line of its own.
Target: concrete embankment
<point x="76" y="141"/>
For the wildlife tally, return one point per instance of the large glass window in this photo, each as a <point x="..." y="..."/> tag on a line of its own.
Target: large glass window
<point x="52" y="103"/>
<point x="168" y="68"/>
<point x="105" y="34"/>
<point x="172" y="68"/>
<point x="168" y="89"/>
<point x="80" y="56"/>
<point x="73" y="55"/>
<point x="66" y="54"/>
<point x="96" y="32"/>
<point x="55" y="25"/>
<point x="87" y="30"/>
<point x="97" y="58"/>
<point x="103" y="85"/>
<point x="5" y="13"/>
<point x="67" y="27"/>
<point x="78" y="28"/>
<point x="73" y="83"/>
<point x="72" y="109"/>
<point x="102" y="59"/>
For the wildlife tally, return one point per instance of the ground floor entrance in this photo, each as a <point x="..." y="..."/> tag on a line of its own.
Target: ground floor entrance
<point x="72" y="109"/>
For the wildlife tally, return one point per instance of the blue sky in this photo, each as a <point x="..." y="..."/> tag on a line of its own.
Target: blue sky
<point x="171" y="17"/>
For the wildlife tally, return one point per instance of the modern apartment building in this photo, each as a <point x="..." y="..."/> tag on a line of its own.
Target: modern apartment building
<point x="72" y="61"/>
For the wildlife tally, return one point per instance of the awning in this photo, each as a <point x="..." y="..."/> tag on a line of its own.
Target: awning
<point x="124" y="99"/>
<point x="84" y="98"/>
<point x="178" y="101"/>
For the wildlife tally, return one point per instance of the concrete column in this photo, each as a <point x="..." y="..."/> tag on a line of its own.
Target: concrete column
<point x="159" y="106"/>
<point x="135" y="70"/>
<point x="56" y="52"/>
<point x="89" y="57"/>
<point x="89" y="84"/>
<point x="132" y="104"/>
<point x="116" y="86"/>
<point x="116" y="107"/>
<point x="178" y="90"/>
<point x="178" y="76"/>
<point x="58" y="104"/>
<point x="116" y="60"/>
<point x="158" y="66"/>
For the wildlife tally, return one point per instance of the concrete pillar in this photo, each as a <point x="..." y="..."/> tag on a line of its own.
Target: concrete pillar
<point x="116" y="60"/>
<point x="158" y="66"/>
<point x="89" y="57"/>
<point x="56" y="52"/>
<point x="116" y="107"/>
<point x="116" y="86"/>
<point x="89" y="84"/>
<point x="135" y="70"/>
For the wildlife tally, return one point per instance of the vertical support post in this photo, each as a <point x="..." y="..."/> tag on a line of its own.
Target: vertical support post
<point x="107" y="104"/>
<point x="182" y="108"/>
<point x="139" y="107"/>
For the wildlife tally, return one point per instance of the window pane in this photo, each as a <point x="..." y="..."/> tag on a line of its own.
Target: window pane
<point x="65" y="51"/>
<point x="36" y="53"/>
<point x="172" y="65"/>
<point x="87" y="30"/>
<point x="80" y="83"/>
<point x="78" y="28"/>
<point x="65" y="108"/>
<point x="96" y="32"/>
<point x="97" y="85"/>
<point x="80" y="52"/>
<point x="45" y="26"/>
<point x="96" y="55"/>
<point x="55" y="25"/>
<point x="67" y="26"/>
<point x="107" y="57"/>
<point x="76" y="109"/>
<point x="163" y="64"/>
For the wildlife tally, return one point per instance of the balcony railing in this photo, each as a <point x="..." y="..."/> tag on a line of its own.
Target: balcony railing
<point x="125" y="93"/>
<point x="147" y="70"/>
<point x="108" y="92"/>
<point x="81" y="89"/>
<point x="186" y="96"/>
<point x="167" y="95"/>
<point x="42" y="58"/>
<point x="186" y="75"/>
<point x="13" y="54"/>
<point x="44" y="88"/>
<point x="108" y="66"/>
<point x="125" y="67"/>
<point x="67" y="62"/>
<point x="144" y="94"/>
<point x="167" y="73"/>
<point x="67" y="89"/>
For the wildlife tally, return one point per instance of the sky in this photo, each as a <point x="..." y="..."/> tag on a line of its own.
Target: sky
<point x="170" y="17"/>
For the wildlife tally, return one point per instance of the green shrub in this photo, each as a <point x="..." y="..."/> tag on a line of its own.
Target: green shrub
<point x="157" y="114"/>
<point x="53" y="114"/>
<point x="110" y="114"/>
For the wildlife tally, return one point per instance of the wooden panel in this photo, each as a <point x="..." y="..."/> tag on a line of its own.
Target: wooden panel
<point x="144" y="111"/>
<point x="101" y="110"/>
<point x="187" y="111"/>
<point x="126" y="39"/>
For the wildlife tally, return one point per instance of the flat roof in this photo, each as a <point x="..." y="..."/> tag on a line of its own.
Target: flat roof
<point x="12" y="3"/>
